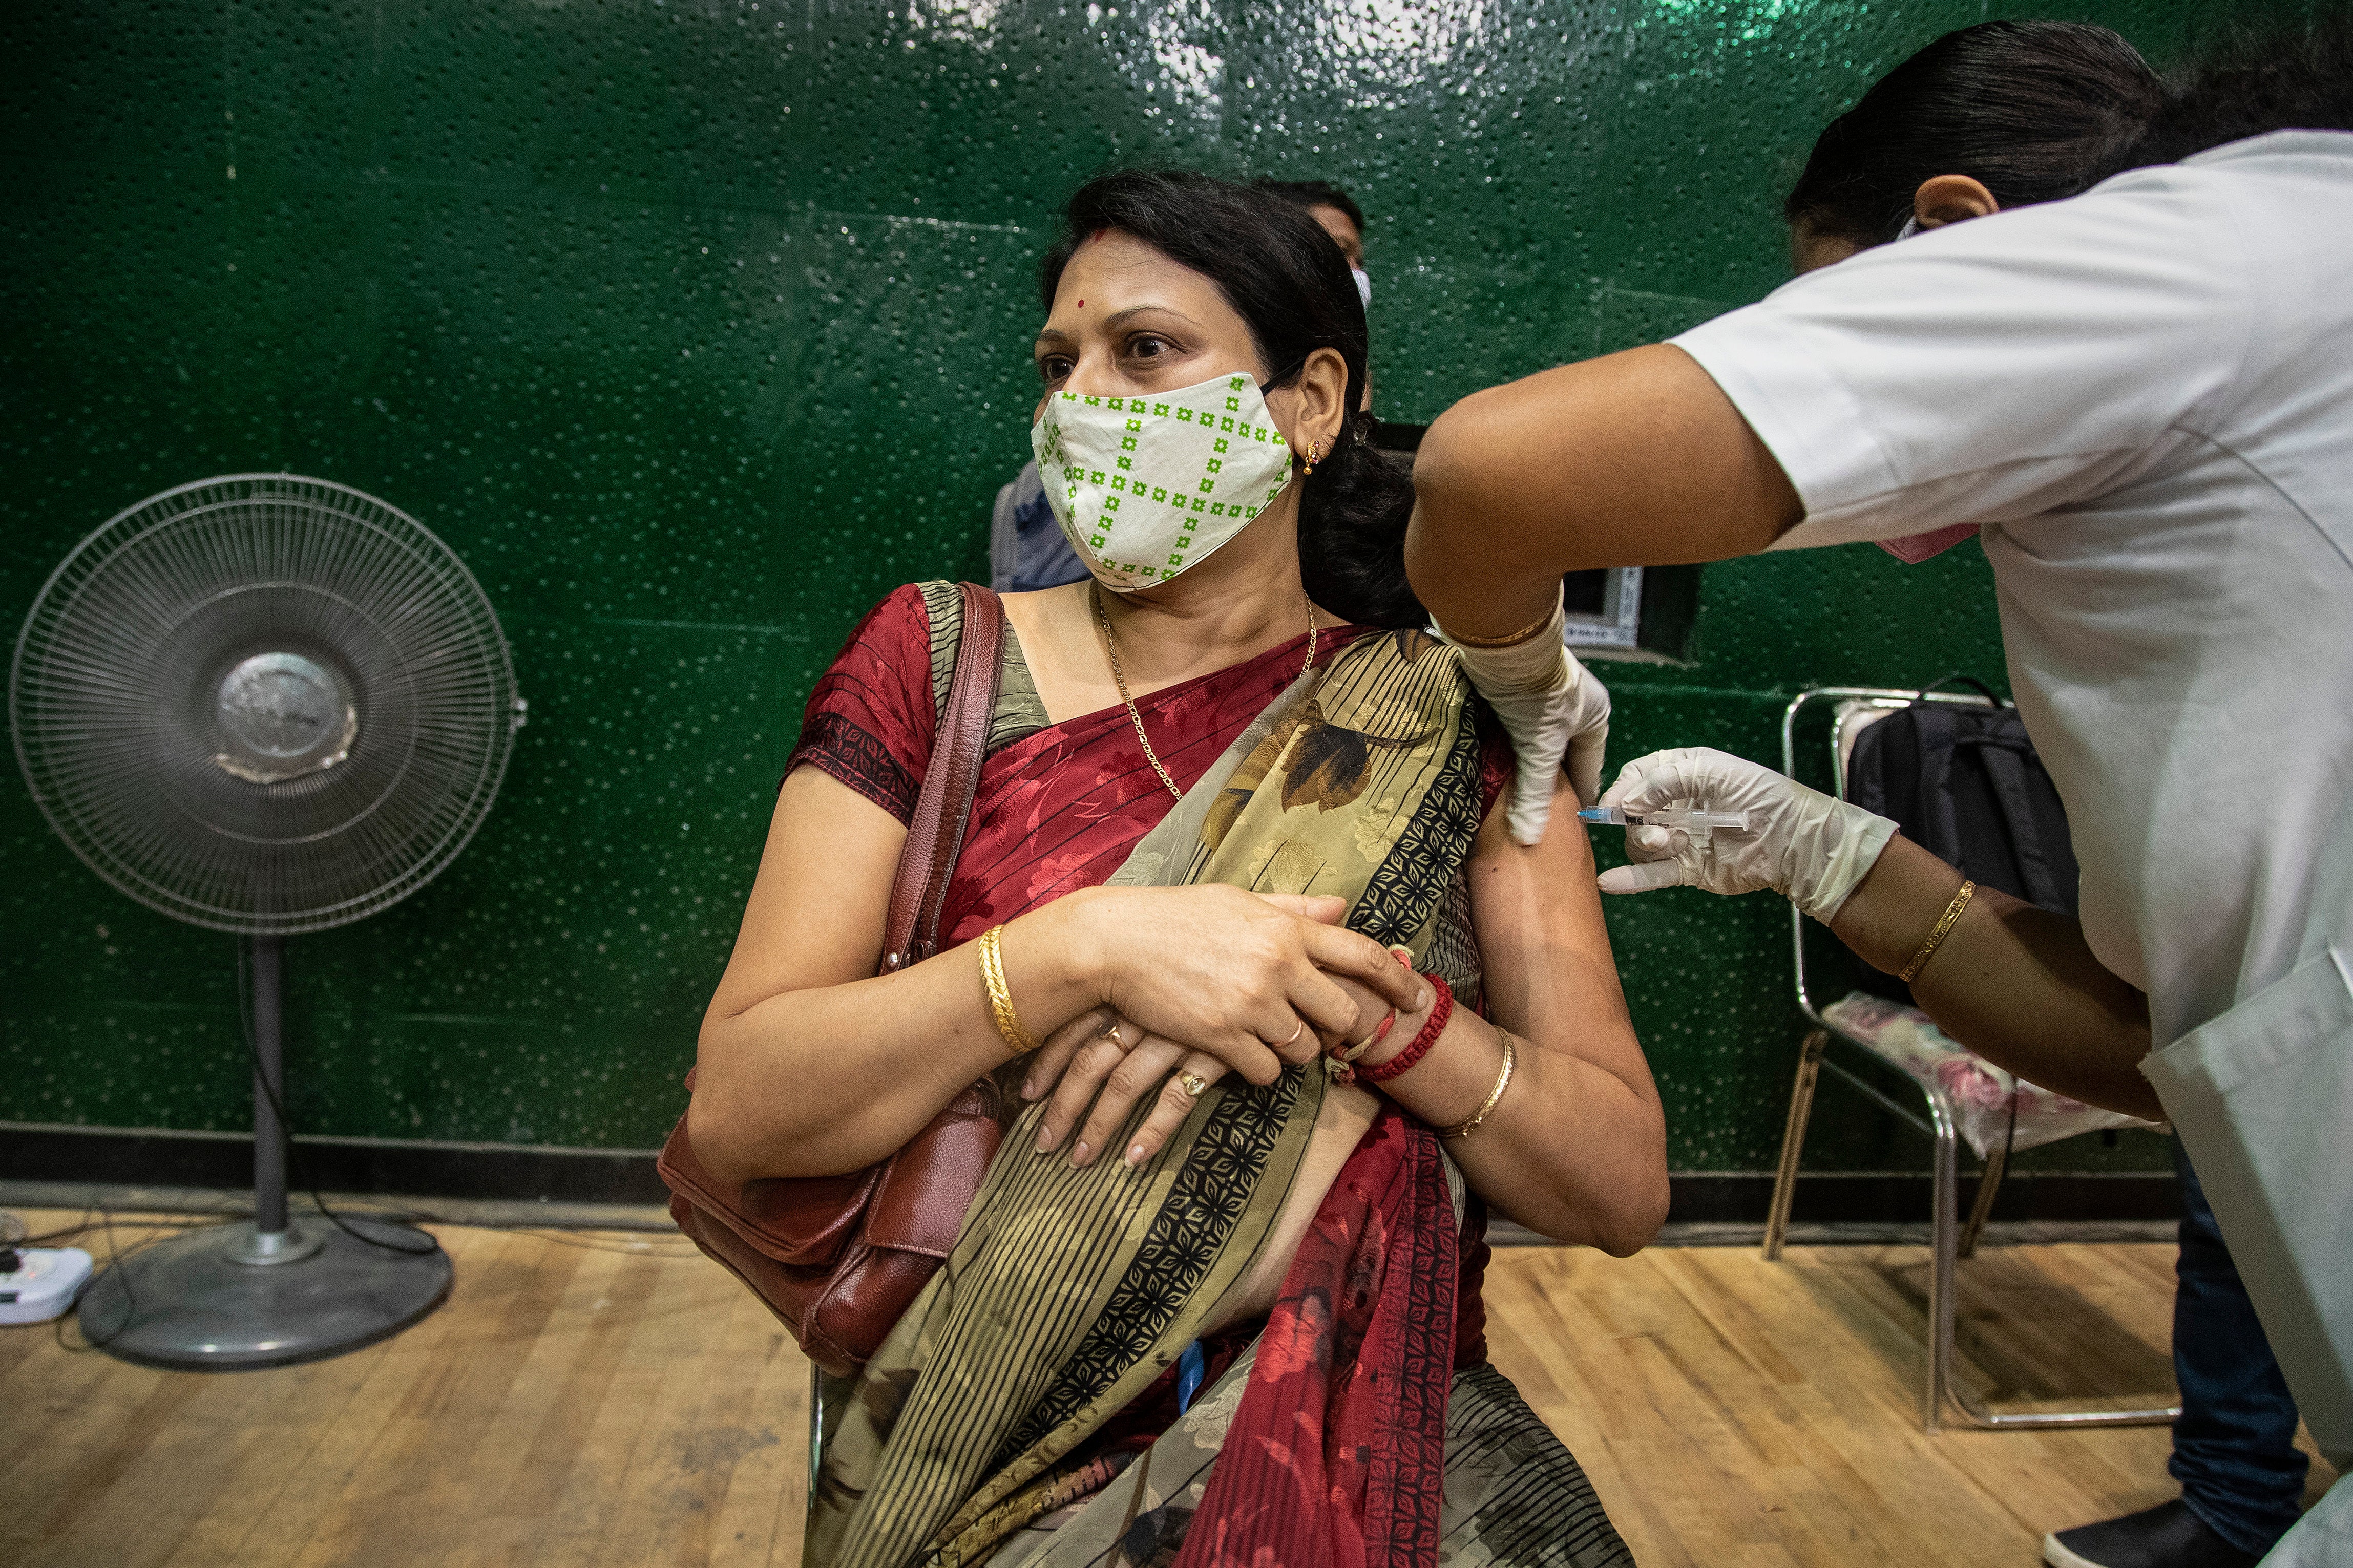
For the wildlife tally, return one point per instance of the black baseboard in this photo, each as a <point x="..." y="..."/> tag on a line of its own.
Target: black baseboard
<point x="146" y="1157"/>
<point x="38" y="1152"/>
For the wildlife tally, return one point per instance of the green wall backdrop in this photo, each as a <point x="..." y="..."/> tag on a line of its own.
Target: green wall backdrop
<point x="694" y="326"/>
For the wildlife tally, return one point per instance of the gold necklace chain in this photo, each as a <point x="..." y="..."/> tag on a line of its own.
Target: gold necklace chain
<point x="1111" y="647"/>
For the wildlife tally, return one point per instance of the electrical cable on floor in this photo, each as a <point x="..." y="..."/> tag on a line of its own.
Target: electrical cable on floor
<point x="159" y="1219"/>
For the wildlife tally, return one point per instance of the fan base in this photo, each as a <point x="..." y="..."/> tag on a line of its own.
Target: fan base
<point x="187" y="1303"/>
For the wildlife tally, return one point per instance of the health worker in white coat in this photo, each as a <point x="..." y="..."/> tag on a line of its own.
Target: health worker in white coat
<point x="2142" y="400"/>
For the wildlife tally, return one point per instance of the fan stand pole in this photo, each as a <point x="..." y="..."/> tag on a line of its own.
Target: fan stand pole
<point x="273" y="1238"/>
<point x="265" y="1292"/>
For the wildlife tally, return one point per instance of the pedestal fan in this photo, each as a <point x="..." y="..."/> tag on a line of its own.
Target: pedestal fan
<point x="267" y="705"/>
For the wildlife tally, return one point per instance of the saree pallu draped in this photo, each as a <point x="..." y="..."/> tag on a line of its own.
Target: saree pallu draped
<point x="1070" y="1292"/>
<point x="1318" y="1447"/>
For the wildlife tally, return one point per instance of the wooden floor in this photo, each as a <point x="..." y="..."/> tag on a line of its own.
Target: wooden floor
<point x="614" y="1399"/>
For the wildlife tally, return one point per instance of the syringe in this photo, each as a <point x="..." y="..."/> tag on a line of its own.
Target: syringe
<point x="1698" y="824"/>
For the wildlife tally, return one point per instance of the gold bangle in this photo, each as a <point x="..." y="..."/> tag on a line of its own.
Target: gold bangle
<point x="1512" y="640"/>
<point x="1944" y="929"/>
<point x="1502" y="1081"/>
<point x="1000" y="996"/>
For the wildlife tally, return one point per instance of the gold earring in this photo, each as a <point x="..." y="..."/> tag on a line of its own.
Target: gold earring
<point x="1315" y="455"/>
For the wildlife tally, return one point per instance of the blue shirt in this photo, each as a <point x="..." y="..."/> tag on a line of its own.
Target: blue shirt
<point x="1026" y="547"/>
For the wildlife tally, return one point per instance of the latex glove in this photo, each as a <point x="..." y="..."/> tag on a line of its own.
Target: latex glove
<point x="1555" y="711"/>
<point x="1812" y="847"/>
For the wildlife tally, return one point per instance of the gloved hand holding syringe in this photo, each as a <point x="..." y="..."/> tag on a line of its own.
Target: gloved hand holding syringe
<point x="1701" y="818"/>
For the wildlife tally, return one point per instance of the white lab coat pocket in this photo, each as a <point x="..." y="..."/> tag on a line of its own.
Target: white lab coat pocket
<point x="2264" y="1099"/>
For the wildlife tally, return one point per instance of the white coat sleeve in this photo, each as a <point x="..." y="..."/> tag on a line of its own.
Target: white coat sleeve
<point x="1996" y="369"/>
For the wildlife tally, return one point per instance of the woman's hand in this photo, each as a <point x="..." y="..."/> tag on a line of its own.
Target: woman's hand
<point x="1103" y="1059"/>
<point x="1249" y="981"/>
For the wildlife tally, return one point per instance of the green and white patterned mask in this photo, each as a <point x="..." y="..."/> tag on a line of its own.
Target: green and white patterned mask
<point x="1145" y="486"/>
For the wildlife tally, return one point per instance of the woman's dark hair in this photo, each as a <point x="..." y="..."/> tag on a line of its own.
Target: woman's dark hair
<point x="1283" y="276"/>
<point x="2033" y="110"/>
<point x="2248" y="81"/>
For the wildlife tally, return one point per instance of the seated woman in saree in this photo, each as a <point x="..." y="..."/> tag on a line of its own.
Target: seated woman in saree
<point x="1217" y="1299"/>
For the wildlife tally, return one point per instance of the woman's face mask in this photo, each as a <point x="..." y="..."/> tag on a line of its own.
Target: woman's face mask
<point x="1145" y="486"/>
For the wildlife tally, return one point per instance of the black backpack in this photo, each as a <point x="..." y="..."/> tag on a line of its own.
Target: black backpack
<point x="1964" y="784"/>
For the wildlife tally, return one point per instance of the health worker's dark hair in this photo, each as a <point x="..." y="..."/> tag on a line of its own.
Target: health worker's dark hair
<point x="1315" y="194"/>
<point x="2034" y="111"/>
<point x="1283" y="276"/>
<point x="2247" y="80"/>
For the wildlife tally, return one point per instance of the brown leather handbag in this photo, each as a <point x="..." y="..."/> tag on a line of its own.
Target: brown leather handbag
<point x="839" y="1259"/>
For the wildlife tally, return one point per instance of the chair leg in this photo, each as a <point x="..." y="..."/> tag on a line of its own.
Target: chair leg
<point x="1988" y="1184"/>
<point x="816" y="1429"/>
<point x="1793" y="1139"/>
<point x="1943" y="1268"/>
<point x="1945" y="1385"/>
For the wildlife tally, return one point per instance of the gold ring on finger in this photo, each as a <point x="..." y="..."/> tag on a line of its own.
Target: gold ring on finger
<point x="1193" y="1084"/>
<point x="1298" y="1029"/>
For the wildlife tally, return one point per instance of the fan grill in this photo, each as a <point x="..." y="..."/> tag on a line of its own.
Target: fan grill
<point x="121" y="674"/>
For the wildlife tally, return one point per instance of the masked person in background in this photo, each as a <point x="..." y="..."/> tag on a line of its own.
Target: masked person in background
<point x="1239" y="860"/>
<point x="1336" y="214"/>
<point x="2143" y="397"/>
<point x="1026" y="547"/>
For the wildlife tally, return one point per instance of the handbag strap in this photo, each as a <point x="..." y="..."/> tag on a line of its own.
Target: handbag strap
<point x="959" y="745"/>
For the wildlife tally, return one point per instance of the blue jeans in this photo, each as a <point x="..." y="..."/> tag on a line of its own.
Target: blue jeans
<point x="2234" y="1448"/>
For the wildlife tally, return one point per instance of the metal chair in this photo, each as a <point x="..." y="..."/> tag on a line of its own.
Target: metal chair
<point x="826" y="1396"/>
<point x="1855" y="709"/>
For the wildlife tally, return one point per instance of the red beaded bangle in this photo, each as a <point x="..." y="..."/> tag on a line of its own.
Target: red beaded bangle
<point x="1418" y="1048"/>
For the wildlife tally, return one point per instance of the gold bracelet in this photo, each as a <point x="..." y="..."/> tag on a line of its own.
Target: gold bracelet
<point x="1944" y="929"/>
<point x="1502" y="1081"/>
<point x="1000" y="996"/>
<point x="1512" y="640"/>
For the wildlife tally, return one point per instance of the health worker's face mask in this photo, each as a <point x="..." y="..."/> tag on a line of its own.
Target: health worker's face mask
<point x="1145" y="486"/>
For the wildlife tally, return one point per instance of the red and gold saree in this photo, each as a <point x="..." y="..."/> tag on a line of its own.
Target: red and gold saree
<point x="1022" y="1413"/>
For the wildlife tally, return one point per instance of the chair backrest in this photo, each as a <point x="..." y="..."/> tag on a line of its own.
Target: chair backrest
<point x="1849" y="720"/>
<point x="1853" y="709"/>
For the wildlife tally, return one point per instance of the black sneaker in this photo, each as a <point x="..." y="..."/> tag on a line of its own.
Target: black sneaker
<point x="2166" y="1536"/>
